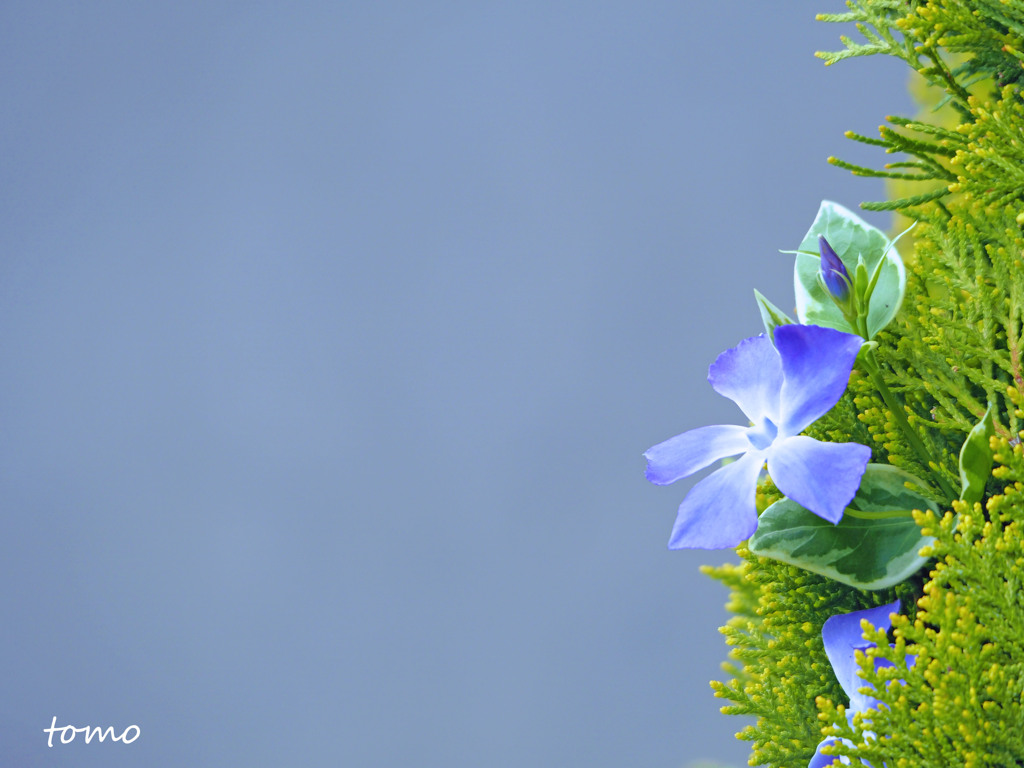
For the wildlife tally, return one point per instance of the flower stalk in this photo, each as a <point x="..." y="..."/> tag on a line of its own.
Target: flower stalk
<point x="869" y="363"/>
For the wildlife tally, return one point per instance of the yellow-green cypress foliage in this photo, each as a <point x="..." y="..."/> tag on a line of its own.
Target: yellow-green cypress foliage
<point x="957" y="345"/>
<point x="959" y="703"/>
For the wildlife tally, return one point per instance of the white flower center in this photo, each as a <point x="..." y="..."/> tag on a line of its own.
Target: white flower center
<point x="762" y="435"/>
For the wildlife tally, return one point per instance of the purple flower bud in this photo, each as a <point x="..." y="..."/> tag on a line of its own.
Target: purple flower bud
<point x="833" y="271"/>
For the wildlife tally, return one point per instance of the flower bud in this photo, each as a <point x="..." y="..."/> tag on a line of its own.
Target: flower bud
<point x="833" y="271"/>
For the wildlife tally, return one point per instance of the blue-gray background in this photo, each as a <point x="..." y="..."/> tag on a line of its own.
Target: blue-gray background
<point x="330" y="338"/>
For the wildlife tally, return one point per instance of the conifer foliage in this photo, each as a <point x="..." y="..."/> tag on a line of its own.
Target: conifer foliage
<point x="952" y="695"/>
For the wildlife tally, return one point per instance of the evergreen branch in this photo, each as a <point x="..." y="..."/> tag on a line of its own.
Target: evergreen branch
<point x="860" y="170"/>
<point x="957" y="346"/>
<point x="904" y="202"/>
<point x="867" y="139"/>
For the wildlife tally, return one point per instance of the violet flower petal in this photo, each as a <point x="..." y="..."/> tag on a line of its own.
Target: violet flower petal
<point x="684" y="454"/>
<point x="750" y="374"/>
<point x="719" y="511"/>
<point x="821" y="477"/>
<point x="823" y="761"/>
<point x="843" y="636"/>
<point x="819" y="760"/>
<point x="816" y="365"/>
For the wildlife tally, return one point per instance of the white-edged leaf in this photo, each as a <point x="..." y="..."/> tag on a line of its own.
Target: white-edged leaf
<point x="850" y="236"/>
<point x="869" y="554"/>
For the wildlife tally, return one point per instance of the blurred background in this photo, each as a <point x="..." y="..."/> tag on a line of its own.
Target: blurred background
<point x="331" y="335"/>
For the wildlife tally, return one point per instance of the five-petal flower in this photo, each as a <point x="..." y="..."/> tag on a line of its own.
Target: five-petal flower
<point x="782" y="389"/>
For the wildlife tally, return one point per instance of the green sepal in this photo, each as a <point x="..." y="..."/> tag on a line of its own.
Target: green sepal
<point x="771" y="316"/>
<point x="852" y="238"/>
<point x="872" y="553"/>
<point x="976" y="459"/>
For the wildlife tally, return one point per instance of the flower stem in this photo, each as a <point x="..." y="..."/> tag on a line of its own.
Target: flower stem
<point x="896" y="408"/>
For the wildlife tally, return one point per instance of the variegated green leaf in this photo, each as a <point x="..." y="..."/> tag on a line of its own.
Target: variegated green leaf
<point x="851" y="237"/>
<point x="874" y="546"/>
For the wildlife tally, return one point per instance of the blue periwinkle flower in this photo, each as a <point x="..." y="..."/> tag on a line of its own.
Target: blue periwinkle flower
<point x="782" y="389"/>
<point x="843" y="637"/>
<point x="833" y="271"/>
